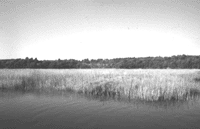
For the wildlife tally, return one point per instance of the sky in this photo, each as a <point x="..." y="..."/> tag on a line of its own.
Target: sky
<point x="80" y="29"/>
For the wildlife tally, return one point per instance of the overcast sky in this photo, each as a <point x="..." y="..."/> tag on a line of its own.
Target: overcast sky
<point x="79" y="29"/>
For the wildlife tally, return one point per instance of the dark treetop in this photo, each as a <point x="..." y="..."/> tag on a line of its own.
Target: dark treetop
<point x="174" y="62"/>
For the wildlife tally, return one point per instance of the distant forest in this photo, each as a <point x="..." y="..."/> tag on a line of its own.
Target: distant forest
<point x="174" y="62"/>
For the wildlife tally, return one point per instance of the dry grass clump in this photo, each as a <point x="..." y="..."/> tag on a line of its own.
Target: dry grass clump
<point x="150" y="85"/>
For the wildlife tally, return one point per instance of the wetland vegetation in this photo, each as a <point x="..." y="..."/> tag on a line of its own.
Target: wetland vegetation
<point x="99" y="98"/>
<point x="141" y="84"/>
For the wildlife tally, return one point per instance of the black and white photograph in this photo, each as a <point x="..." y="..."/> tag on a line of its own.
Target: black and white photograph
<point x="99" y="64"/>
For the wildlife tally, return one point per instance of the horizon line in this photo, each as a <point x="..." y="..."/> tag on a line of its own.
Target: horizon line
<point x="98" y="58"/>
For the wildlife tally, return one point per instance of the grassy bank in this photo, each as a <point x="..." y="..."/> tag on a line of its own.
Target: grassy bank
<point x="150" y="85"/>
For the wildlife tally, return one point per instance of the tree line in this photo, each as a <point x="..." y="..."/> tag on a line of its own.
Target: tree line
<point x="173" y="62"/>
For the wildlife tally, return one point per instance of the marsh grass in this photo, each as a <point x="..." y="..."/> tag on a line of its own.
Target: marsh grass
<point x="148" y="85"/>
<point x="197" y="79"/>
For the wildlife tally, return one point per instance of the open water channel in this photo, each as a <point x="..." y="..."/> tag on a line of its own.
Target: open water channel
<point x="68" y="110"/>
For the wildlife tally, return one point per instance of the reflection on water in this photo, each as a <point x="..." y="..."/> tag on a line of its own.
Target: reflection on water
<point x="68" y="110"/>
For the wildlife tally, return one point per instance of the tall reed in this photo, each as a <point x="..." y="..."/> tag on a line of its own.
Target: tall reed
<point x="150" y="85"/>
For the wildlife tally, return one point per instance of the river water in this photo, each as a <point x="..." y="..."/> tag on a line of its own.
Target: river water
<point x="68" y="110"/>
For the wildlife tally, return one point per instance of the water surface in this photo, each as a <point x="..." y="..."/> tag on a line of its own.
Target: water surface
<point x="68" y="110"/>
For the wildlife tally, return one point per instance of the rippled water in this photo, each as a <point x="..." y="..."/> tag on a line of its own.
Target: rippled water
<point x="67" y="110"/>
